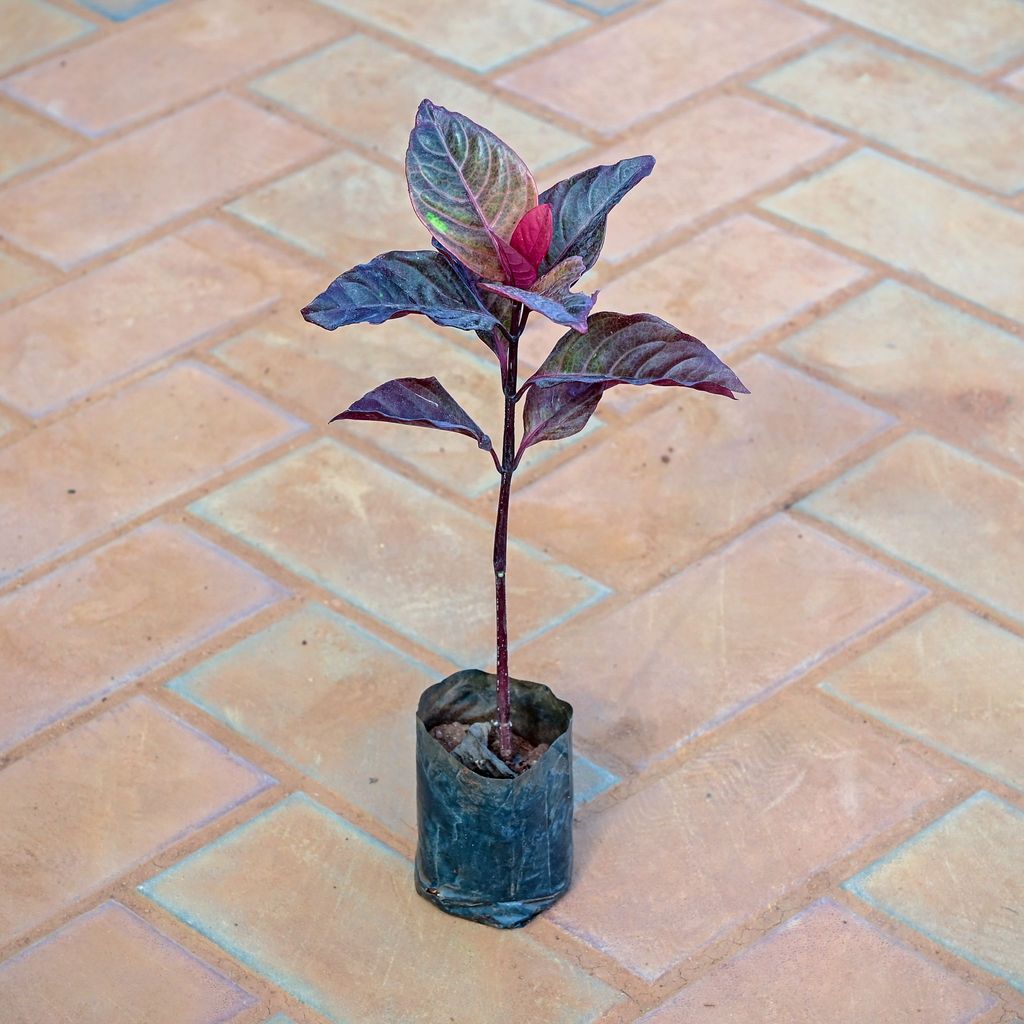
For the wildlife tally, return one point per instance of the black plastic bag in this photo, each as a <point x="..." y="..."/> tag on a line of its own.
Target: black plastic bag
<point x="498" y="851"/>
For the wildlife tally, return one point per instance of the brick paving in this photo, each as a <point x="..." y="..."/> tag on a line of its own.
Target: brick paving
<point x="792" y="627"/>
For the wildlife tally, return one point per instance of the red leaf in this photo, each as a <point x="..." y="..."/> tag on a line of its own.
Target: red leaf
<point x="532" y="236"/>
<point x="519" y="271"/>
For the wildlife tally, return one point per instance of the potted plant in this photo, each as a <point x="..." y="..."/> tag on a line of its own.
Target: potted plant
<point x="494" y="754"/>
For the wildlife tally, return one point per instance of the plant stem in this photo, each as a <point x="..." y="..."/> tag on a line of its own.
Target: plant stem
<point x="508" y="455"/>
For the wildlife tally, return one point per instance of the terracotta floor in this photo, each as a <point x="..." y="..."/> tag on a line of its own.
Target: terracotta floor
<point x="792" y="626"/>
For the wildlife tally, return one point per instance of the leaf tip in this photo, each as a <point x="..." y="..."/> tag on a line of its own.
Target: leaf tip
<point x="583" y="324"/>
<point x="312" y="313"/>
<point x="425" y="111"/>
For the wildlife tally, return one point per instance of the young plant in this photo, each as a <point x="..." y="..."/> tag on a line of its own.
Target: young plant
<point x="501" y="251"/>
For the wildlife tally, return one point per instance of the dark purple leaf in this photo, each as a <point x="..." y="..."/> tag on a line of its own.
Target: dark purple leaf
<point x="551" y="296"/>
<point x="497" y="340"/>
<point x="558" y="410"/>
<point x="419" y="402"/>
<point x="637" y="349"/>
<point x="468" y="187"/>
<point x="501" y="309"/>
<point x="580" y="206"/>
<point x="397" y="283"/>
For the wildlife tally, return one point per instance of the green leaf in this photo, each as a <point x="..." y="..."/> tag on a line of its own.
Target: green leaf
<point x="558" y="410"/>
<point x="550" y="295"/>
<point x="468" y="188"/>
<point x="637" y="349"/>
<point x="397" y="283"/>
<point x="580" y="206"/>
<point x="419" y="402"/>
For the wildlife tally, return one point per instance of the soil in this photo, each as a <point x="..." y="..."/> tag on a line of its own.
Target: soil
<point x="524" y="753"/>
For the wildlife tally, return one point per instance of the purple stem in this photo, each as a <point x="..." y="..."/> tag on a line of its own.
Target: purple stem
<point x="507" y="468"/>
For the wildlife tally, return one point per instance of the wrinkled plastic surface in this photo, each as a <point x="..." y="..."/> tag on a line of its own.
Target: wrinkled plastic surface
<point x="498" y="851"/>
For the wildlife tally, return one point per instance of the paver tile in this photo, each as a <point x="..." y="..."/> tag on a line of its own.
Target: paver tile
<point x="979" y="37"/>
<point x="708" y="156"/>
<point x="153" y="302"/>
<point x="959" y="882"/>
<point x="481" y="36"/>
<point x="313" y="209"/>
<point x="110" y="967"/>
<point x="138" y="182"/>
<point x="589" y="779"/>
<point x="918" y="223"/>
<point x="604" y="6"/>
<point x="733" y="282"/>
<point x="732" y="830"/>
<point x="122" y="611"/>
<point x="321" y="374"/>
<point x="328" y="698"/>
<point x="825" y="964"/>
<point x="911" y="499"/>
<point x="122" y="10"/>
<point x="957" y="374"/>
<point x="658" y="57"/>
<point x="384" y="969"/>
<point x="337" y="703"/>
<point x="909" y="106"/>
<point x="178" y="179"/>
<point x="67" y="832"/>
<point x="16" y="276"/>
<point x="291" y="275"/>
<point x="690" y="473"/>
<point x="26" y="143"/>
<point x="123" y="455"/>
<point x="29" y="28"/>
<point x="176" y="56"/>
<point x="952" y="680"/>
<point x="715" y="639"/>
<point x="359" y="87"/>
<point x="330" y="514"/>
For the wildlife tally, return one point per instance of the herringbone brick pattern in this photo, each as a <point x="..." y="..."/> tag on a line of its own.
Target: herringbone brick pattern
<point x="792" y="626"/>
